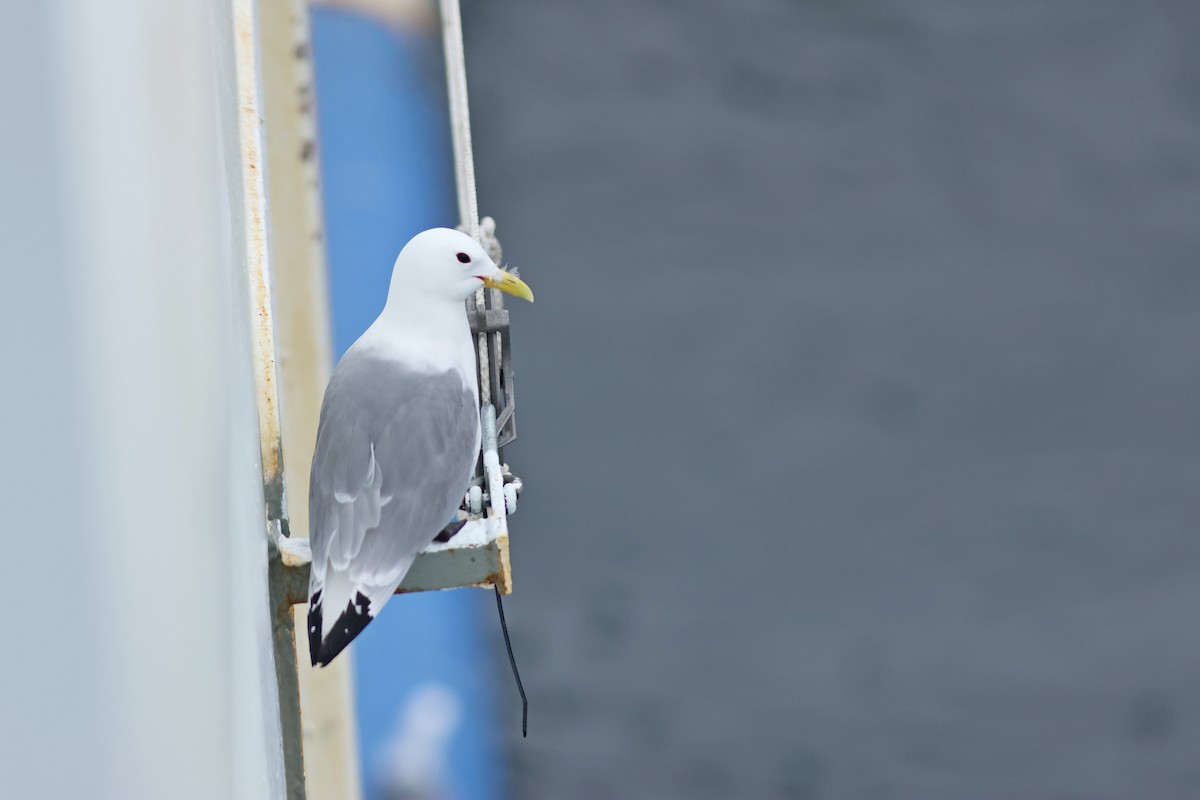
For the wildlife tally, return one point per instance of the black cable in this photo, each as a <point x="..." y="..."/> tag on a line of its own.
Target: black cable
<point x="513" y="661"/>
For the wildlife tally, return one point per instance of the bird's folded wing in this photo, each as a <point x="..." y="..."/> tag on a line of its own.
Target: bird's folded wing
<point x="395" y="449"/>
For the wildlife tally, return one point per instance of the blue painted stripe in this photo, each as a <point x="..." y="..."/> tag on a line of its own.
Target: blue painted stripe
<point x="387" y="175"/>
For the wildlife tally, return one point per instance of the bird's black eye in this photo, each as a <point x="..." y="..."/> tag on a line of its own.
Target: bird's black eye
<point x="464" y="258"/>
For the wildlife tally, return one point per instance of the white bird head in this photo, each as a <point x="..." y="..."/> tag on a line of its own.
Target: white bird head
<point x="441" y="264"/>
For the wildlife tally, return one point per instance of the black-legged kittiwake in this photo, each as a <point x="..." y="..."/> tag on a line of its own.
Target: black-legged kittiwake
<point x="398" y="436"/>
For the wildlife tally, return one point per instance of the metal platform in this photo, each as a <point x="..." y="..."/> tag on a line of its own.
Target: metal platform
<point x="473" y="557"/>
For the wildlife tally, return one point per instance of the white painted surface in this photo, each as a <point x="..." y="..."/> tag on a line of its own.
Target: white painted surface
<point x="139" y="659"/>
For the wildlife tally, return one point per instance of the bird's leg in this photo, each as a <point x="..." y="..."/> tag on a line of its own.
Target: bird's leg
<point x="294" y="552"/>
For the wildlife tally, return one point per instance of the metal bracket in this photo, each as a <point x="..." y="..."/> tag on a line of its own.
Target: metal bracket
<point x="491" y="322"/>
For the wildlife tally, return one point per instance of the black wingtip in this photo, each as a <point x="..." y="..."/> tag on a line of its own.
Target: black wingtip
<point x="349" y="624"/>
<point x="314" y="627"/>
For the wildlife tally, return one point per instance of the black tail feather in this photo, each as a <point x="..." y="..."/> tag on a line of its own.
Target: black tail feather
<point x="350" y="623"/>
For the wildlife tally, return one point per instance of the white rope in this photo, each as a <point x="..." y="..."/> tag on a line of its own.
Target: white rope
<point x="460" y="116"/>
<point x="464" y="159"/>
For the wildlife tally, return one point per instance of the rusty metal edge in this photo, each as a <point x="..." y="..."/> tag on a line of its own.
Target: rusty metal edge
<point x="283" y="633"/>
<point x="245" y="21"/>
<point x="479" y="566"/>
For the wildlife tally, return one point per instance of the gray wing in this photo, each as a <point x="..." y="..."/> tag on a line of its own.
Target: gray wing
<point x="395" y="450"/>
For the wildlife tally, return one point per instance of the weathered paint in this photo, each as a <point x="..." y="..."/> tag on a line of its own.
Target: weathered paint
<point x="257" y="258"/>
<point x="480" y="565"/>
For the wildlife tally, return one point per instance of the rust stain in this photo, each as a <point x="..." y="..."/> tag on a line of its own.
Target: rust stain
<point x="500" y="576"/>
<point x="250" y="128"/>
<point x="503" y="579"/>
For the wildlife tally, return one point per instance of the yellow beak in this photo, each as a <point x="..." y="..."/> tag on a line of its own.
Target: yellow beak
<point x="510" y="284"/>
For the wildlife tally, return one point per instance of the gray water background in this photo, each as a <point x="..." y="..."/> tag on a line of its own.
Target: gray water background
<point x="858" y="407"/>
